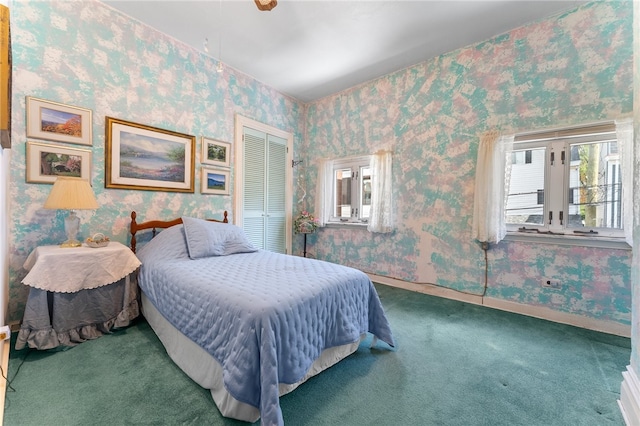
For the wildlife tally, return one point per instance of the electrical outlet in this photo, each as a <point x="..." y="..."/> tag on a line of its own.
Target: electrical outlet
<point x="551" y="284"/>
<point x="5" y="332"/>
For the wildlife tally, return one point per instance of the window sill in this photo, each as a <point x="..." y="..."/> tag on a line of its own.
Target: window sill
<point x="569" y="240"/>
<point x="346" y="225"/>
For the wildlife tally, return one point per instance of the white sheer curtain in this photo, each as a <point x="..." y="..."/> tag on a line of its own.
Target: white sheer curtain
<point x="381" y="215"/>
<point x="624" y="134"/>
<point x="493" y="173"/>
<point x="323" y="192"/>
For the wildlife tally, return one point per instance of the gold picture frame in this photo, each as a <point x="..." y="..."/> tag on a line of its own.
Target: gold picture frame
<point x="5" y="78"/>
<point x="57" y="122"/>
<point x="148" y="158"/>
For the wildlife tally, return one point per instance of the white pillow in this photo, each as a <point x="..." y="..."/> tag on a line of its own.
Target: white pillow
<point x="205" y="238"/>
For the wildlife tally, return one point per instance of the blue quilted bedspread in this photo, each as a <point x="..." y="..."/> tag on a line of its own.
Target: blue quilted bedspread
<point x="265" y="317"/>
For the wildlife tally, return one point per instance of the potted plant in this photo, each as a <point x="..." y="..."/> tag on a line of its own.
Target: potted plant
<point x="305" y="223"/>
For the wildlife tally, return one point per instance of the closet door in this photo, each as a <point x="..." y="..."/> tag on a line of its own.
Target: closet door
<point x="264" y="213"/>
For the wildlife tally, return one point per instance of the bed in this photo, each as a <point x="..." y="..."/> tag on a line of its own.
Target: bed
<point x="249" y="324"/>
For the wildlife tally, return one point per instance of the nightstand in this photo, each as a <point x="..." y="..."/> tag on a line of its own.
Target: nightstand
<point x="77" y="294"/>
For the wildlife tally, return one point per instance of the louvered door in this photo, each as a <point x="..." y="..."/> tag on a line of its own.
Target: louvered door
<point x="264" y="189"/>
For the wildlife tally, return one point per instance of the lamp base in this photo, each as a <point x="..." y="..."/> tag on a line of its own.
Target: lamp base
<point x="71" y="243"/>
<point x="71" y="227"/>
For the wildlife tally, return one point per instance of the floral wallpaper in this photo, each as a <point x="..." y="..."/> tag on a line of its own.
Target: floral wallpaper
<point x="86" y="54"/>
<point x="569" y="69"/>
<point x="635" y="266"/>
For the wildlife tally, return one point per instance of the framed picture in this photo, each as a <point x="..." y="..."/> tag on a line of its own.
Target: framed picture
<point x="215" y="181"/>
<point x="148" y="158"/>
<point x="58" y="122"/>
<point x="46" y="162"/>
<point x="216" y="152"/>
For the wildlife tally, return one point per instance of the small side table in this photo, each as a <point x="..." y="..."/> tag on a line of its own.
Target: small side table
<point x="77" y="294"/>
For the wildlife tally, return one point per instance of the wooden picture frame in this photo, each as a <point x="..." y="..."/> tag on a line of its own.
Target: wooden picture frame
<point x="215" y="181"/>
<point x="5" y="78"/>
<point x="45" y="162"/>
<point x="217" y="153"/>
<point x="148" y="158"/>
<point x="57" y="122"/>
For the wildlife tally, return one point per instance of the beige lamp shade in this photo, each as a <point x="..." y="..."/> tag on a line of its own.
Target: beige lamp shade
<point x="69" y="193"/>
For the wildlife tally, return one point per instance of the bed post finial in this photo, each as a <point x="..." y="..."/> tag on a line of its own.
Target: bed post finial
<point x="225" y="220"/>
<point x="133" y="229"/>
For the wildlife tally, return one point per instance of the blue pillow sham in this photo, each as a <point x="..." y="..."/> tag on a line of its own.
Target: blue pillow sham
<point x="205" y="238"/>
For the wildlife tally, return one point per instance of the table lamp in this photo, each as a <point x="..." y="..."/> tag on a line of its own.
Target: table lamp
<point x="70" y="193"/>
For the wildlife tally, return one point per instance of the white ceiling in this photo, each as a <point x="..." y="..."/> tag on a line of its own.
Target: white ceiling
<point x="311" y="49"/>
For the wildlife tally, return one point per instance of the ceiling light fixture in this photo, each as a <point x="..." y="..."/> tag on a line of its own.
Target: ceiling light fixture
<point x="266" y="4"/>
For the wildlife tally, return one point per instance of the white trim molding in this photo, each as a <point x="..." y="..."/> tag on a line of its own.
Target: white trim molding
<point x="629" y="401"/>
<point x="5" y="348"/>
<point x="238" y="171"/>
<point x="604" y="326"/>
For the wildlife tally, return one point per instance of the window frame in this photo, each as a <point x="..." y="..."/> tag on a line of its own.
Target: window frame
<point x="355" y="164"/>
<point x="556" y="197"/>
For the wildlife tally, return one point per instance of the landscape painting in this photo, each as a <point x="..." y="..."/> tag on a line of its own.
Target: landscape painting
<point x="216" y="152"/>
<point x="46" y="162"/>
<point x="146" y="157"/>
<point x="58" y="122"/>
<point x="215" y="181"/>
<point x="143" y="157"/>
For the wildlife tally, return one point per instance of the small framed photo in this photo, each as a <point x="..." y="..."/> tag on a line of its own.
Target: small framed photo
<point x="148" y="158"/>
<point x="215" y="181"/>
<point x="46" y="162"/>
<point x="58" y="122"/>
<point x="216" y="152"/>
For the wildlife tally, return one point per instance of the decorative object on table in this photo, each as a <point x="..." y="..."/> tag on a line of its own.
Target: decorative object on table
<point x="58" y="122"/>
<point x="98" y="240"/>
<point x="305" y="224"/>
<point x="69" y="193"/>
<point x="215" y="152"/>
<point x="46" y="162"/>
<point x="214" y="181"/>
<point x="148" y="158"/>
<point x="266" y="5"/>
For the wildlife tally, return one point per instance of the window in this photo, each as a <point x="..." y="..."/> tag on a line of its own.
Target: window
<point x="569" y="182"/>
<point x="357" y="191"/>
<point x="521" y="157"/>
<point x="351" y="190"/>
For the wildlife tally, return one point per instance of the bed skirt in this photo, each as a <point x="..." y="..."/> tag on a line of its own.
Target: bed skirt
<point x="203" y="369"/>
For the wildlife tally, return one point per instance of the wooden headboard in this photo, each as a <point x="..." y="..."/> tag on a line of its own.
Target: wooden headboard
<point x="158" y="224"/>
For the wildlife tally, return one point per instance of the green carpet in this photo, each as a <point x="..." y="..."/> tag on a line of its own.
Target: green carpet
<point x="455" y="364"/>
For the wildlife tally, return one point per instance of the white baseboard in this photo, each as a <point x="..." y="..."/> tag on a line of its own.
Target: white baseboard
<point x="430" y="289"/>
<point x="5" y="348"/>
<point x="629" y="401"/>
<point x="548" y="314"/>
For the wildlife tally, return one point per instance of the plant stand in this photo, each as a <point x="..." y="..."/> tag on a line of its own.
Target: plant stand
<point x="304" y="250"/>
